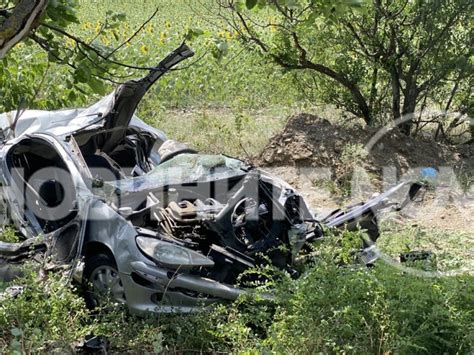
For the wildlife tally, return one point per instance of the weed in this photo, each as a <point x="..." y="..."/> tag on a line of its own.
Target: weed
<point x="9" y="235"/>
<point x="330" y="308"/>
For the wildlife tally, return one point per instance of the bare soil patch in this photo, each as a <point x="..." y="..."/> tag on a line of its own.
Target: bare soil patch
<point x="308" y="141"/>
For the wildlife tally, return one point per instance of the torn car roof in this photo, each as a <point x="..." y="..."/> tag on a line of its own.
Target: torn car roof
<point x="65" y="122"/>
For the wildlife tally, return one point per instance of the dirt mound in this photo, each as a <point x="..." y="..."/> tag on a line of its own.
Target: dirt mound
<point x="308" y="140"/>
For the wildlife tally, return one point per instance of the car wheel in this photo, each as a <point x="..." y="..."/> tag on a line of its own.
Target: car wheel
<point x="101" y="281"/>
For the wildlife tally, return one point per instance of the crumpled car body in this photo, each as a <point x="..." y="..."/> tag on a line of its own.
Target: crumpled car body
<point x="143" y="219"/>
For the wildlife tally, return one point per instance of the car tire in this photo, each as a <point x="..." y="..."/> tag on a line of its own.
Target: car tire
<point x="101" y="281"/>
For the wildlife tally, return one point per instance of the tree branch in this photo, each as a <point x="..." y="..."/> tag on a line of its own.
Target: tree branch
<point x="92" y="48"/>
<point x="18" y="25"/>
<point x="338" y="77"/>
<point x="45" y="46"/>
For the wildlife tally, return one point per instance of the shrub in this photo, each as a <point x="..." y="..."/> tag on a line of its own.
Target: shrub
<point x="47" y="315"/>
<point x="333" y="307"/>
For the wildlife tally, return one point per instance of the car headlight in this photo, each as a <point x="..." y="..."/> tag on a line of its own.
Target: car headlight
<point x="171" y="255"/>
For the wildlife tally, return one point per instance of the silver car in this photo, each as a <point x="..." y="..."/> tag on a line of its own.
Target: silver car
<point x="146" y="220"/>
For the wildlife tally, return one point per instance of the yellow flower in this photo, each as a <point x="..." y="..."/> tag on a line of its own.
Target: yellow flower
<point x="150" y="29"/>
<point x="167" y="24"/>
<point x="70" y="43"/>
<point x="162" y="37"/>
<point x="144" y="49"/>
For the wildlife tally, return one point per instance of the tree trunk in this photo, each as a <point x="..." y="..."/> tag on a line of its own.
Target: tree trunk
<point x="395" y="82"/>
<point x="19" y="23"/>
<point x="410" y="97"/>
<point x="373" y="88"/>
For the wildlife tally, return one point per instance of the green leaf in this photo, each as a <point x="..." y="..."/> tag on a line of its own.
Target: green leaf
<point x="97" y="85"/>
<point x="70" y="17"/>
<point x="120" y="16"/>
<point x="53" y="57"/>
<point x="72" y="96"/>
<point x="193" y="33"/>
<point x="355" y="3"/>
<point x="16" y="332"/>
<point x="291" y="4"/>
<point x="223" y="47"/>
<point x="250" y="4"/>
<point x="82" y="74"/>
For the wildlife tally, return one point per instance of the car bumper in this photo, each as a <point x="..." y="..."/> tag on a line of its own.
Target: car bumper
<point x="156" y="289"/>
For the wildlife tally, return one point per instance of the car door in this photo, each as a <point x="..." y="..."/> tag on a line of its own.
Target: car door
<point x="32" y="169"/>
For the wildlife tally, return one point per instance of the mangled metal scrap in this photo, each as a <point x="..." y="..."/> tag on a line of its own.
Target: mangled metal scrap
<point x="149" y="221"/>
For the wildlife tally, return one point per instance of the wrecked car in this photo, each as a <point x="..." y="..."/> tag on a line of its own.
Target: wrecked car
<point x="149" y="221"/>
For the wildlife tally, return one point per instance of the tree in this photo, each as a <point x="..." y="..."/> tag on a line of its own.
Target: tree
<point x="379" y="56"/>
<point x="45" y="24"/>
<point x="420" y="45"/>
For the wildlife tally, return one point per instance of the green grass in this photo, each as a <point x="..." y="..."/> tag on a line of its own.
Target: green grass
<point x="241" y="133"/>
<point x="453" y="251"/>
<point x="3" y="286"/>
